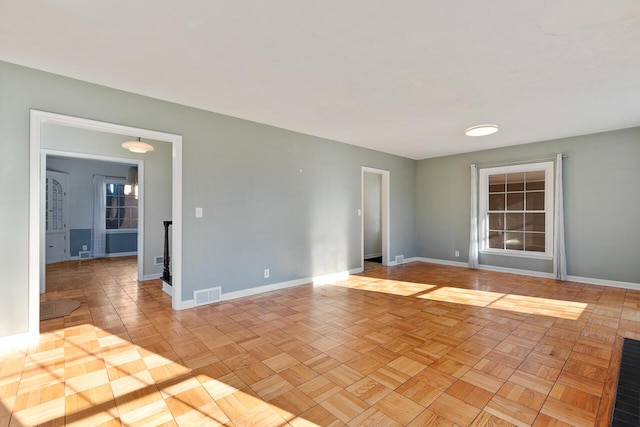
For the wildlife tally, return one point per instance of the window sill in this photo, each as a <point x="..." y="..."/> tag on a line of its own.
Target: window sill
<point x="519" y="254"/>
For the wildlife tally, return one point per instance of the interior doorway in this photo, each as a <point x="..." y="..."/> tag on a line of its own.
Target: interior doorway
<point x="37" y="173"/>
<point x="374" y="217"/>
<point x="117" y="227"/>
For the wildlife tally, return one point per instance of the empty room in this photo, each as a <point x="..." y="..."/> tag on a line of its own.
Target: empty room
<point x="320" y="213"/>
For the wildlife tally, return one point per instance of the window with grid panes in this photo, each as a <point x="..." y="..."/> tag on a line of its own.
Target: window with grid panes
<point x="516" y="210"/>
<point x="122" y="209"/>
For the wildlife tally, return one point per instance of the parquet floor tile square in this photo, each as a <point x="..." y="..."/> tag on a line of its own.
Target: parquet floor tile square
<point x="344" y="405"/>
<point x="417" y="344"/>
<point x="369" y="390"/>
<point x="399" y="408"/>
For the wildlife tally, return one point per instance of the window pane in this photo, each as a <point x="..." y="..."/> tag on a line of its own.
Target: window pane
<point x="515" y="241"/>
<point x="131" y="200"/>
<point x="496" y="221"/>
<point x="535" y="180"/>
<point x="515" y="201"/>
<point x="122" y="209"/>
<point x="496" y="239"/>
<point x="534" y="222"/>
<point x="515" y="181"/>
<point x="535" y="242"/>
<point x="496" y="202"/>
<point x="535" y="201"/>
<point x="496" y="183"/>
<point x="515" y="222"/>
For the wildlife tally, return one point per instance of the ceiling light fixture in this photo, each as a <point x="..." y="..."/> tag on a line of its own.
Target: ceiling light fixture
<point x="481" y="130"/>
<point x="137" y="146"/>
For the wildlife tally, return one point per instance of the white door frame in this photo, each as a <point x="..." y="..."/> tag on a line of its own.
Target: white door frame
<point x="138" y="162"/>
<point x="385" y="200"/>
<point x="36" y="238"/>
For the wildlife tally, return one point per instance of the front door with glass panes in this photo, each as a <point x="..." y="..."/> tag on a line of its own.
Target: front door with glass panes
<point x="57" y="233"/>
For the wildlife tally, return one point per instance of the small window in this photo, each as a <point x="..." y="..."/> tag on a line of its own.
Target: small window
<point x="122" y="207"/>
<point x="516" y="210"/>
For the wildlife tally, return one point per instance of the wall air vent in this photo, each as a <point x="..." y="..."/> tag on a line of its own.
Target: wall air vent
<point x="399" y="259"/>
<point x="207" y="296"/>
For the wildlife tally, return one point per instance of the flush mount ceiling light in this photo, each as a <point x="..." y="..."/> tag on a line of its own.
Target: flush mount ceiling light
<point x="137" y="146"/>
<point x="481" y="130"/>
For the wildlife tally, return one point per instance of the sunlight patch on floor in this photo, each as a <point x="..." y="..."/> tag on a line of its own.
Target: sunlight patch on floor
<point x="385" y="286"/>
<point x="121" y="380"/>
<point x="462" y="296"/>
<point x="561" y="309"/>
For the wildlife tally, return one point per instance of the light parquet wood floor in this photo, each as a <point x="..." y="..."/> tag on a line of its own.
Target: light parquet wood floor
<point x="417" y="344"/>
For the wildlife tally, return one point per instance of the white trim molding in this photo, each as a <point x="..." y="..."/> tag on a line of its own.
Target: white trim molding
<point x="119" y="254"/>
<point x="317" y="280"/>
<point x="36" y="171"/>
<point x="531" y="273"/>
<point x="604" y="282"/>
<point x="483" y="208"/>
<point x="385" y="201"/>
<point x="517" y="271"/>
<point x="167" y="288"/>
<point x="437" y="261"/>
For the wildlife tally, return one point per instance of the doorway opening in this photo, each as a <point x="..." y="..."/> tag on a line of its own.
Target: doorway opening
<point x="92" y="211"/>
<point x="374" y="218"/>
<point x="37" y="193"/>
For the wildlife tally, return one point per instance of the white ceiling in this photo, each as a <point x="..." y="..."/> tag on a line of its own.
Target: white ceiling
<point x="403" y="77"/>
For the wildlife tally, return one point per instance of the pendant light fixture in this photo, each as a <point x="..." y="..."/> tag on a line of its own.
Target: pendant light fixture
<point x="137" y="146"/>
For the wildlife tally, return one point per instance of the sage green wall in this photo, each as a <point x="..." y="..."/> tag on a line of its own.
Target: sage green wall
<point x="602" y="204"/>
<point x="260" y="210"/>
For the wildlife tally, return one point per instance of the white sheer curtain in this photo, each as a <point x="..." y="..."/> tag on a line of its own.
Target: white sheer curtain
<point x="99" y="216"/>
<point x="559" y="256"/>
<point x="473" y="234"/>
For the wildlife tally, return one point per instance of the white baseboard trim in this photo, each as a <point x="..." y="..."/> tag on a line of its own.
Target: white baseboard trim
<point x="153" y="276"/>
<point x="604" y="282"/>
<point x="226" y="296"/>
<point x="328" y="278"/>
<point x="167" y="288"/>
<point x="438" y="261"/>
<point x="372" y="255"/>
<point x="17" y="341"/>
<point x="117" y="254"/>
<point x="184" y="305"/>
<point x="543" y="274"/>
<point x="113" y="255"/>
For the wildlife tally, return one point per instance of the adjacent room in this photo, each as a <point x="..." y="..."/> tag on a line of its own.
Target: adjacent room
<point x="320" y="213"/>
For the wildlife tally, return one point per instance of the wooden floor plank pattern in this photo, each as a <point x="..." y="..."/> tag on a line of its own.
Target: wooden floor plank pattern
<point x="417" y="344"/>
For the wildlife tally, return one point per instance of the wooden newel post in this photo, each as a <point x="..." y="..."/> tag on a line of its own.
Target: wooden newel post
<point x="166" y="273"/>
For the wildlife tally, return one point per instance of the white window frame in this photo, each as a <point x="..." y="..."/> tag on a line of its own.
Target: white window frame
<point x="119" y="181"/>
<point x="483" y="208"/>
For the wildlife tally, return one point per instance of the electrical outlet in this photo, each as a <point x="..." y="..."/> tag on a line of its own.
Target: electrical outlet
<point x="457" y="253"/>
<point x="84" y="247"/>
<point x="266" y="273"/>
